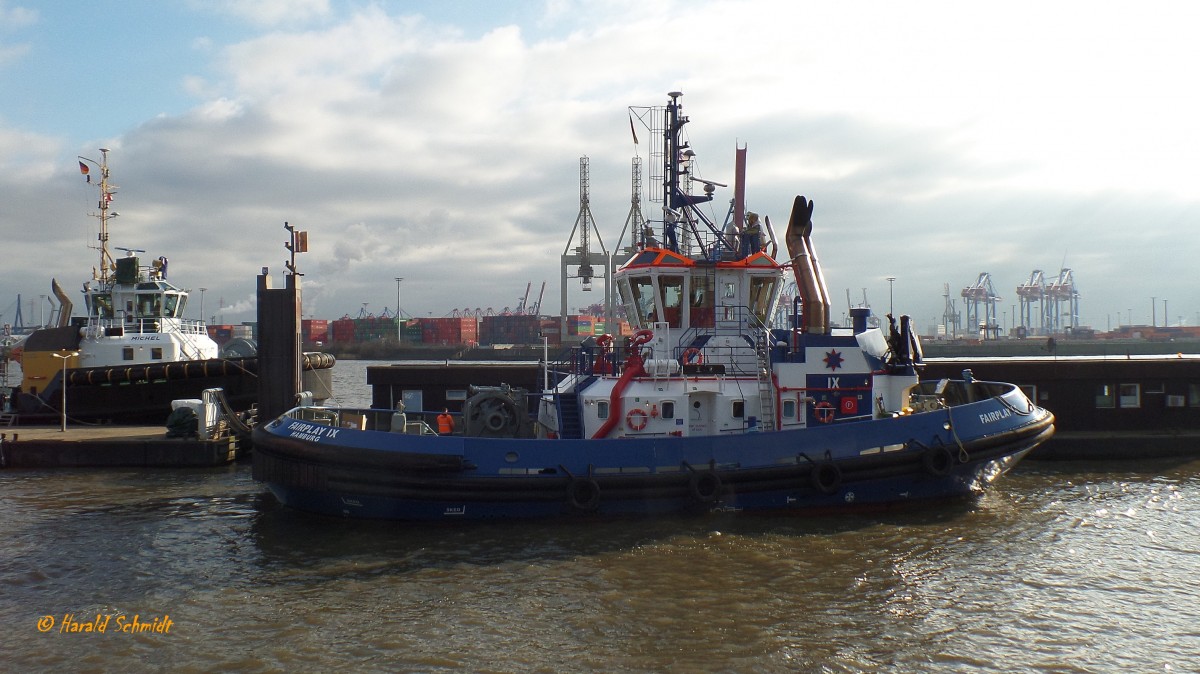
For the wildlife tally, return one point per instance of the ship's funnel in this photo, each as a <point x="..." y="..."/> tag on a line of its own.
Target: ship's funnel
<point x="809" y="279"/>
<point x="64" y="302"/>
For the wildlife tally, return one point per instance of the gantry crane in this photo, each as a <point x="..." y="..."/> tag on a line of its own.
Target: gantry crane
<point x="1030" y="293"/>
<point x="982" y="295"/>
<point x="1059" y="292"/>
<point x="582" y="257"/>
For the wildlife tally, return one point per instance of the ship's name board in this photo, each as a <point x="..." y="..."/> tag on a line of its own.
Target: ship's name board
<point x="998" y="415"/>
<point x="311" y="432"/>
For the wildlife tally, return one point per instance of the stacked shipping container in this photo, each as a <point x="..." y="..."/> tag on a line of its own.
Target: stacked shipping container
<point x="445" y="331"/>
<point x="511" y="329"/>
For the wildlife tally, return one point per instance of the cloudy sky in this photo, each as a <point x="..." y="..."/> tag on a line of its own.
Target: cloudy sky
<point x="440" y="142"/>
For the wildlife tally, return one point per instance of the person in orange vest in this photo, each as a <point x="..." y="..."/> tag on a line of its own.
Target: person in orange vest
<point x="445" y="422"/>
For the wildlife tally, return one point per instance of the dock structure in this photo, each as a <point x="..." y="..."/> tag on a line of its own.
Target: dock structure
<point x="110" y="446"/>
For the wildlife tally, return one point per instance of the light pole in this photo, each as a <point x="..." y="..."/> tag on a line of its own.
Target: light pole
<point x="1166" y="316"/>
<point x="65" y="356"/>
<point x="891" y="280"/>
<point x="399" y="330"/>
<point x="202" y="304"/>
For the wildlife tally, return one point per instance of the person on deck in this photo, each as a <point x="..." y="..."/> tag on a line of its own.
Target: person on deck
<point x="751" y="236"/>
<point x="670" y="222"/>
<point x="445" y="422"/>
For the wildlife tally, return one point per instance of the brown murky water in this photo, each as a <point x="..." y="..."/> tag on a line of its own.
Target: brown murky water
<point x="1066" y="568"/>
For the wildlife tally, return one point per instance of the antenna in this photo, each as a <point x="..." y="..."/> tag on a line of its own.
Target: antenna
<point x="107" y="192"/>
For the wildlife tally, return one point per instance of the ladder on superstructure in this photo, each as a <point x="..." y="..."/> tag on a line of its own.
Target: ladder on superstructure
<point x="766" y="390"/>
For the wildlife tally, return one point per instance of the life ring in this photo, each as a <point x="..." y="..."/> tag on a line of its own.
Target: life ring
<point x="636" y="419"/>
<point x="690" y="353"/>
<point x="641" y="337"/>
<point x="583" y="494"/>
<point x="824" y="412"/>
<point x="705" y="486"/>
<point x="848" y="405"/>
<point x="938" y="460"/>
<point x="826" y="477"/>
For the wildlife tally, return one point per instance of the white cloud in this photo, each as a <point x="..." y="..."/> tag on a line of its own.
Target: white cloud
<point x="269" y="12"/>
<point x="16" y="17"/>
<point x="938" y="141"/>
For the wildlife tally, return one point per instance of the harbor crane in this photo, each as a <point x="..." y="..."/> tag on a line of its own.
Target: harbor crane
<point x="981" y="296"/>
<point x="951" y="318"/>
<point x="1030" y="293"/>
<point x="582" y="257"/>
<point x="1063" y="302"/>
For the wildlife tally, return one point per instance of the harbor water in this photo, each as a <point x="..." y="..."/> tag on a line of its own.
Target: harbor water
<point x="1059" y="568"/>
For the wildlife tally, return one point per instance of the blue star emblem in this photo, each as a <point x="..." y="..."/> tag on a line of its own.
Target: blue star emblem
<point x="833" y="360"/>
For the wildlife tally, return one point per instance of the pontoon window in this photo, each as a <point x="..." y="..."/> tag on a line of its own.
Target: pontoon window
<point x="1194" y="395"/>
<point x="1131" y="395"/>
<point x="1104" y="396"/>
<point x="672" y="299"/>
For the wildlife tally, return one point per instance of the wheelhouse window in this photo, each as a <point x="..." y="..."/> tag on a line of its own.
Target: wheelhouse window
<point x="701" y="302"/>
<point x="156" y="353"/>
<point x="1130" y="395"/>
<point x="789" y="409"/>
<point x="739" y="409"/>
<point x="668" y="409"/>
<point x="127" y="353"/>
<point x="642" y="291"/>
<point x="672" y="299"/>
<point x="602" y="409"/>
<point x="149" y="304"/>
<point x="101" y="306"/>
<point x="762" y="294"/>
<point x="1105" y="397"/>
<point x="174" y="306"/>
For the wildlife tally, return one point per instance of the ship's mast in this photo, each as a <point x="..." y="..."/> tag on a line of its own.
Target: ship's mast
<point x="103" y="274"/>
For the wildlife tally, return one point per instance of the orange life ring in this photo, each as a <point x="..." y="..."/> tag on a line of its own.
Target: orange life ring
<point x="824" y="412"/>
<point x="641" y="337"/>
<point x="636" y="413"/>
<point x="693" y="352"/>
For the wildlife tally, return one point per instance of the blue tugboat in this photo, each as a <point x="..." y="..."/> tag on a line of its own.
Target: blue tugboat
<point x="706" y="407"/>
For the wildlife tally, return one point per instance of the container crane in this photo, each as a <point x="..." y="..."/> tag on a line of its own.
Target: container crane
<point x="1059" y="292"/>
<point x="982" y="296"/>
<point x="1030" y="293"/>
<point x="951" y="319"/>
